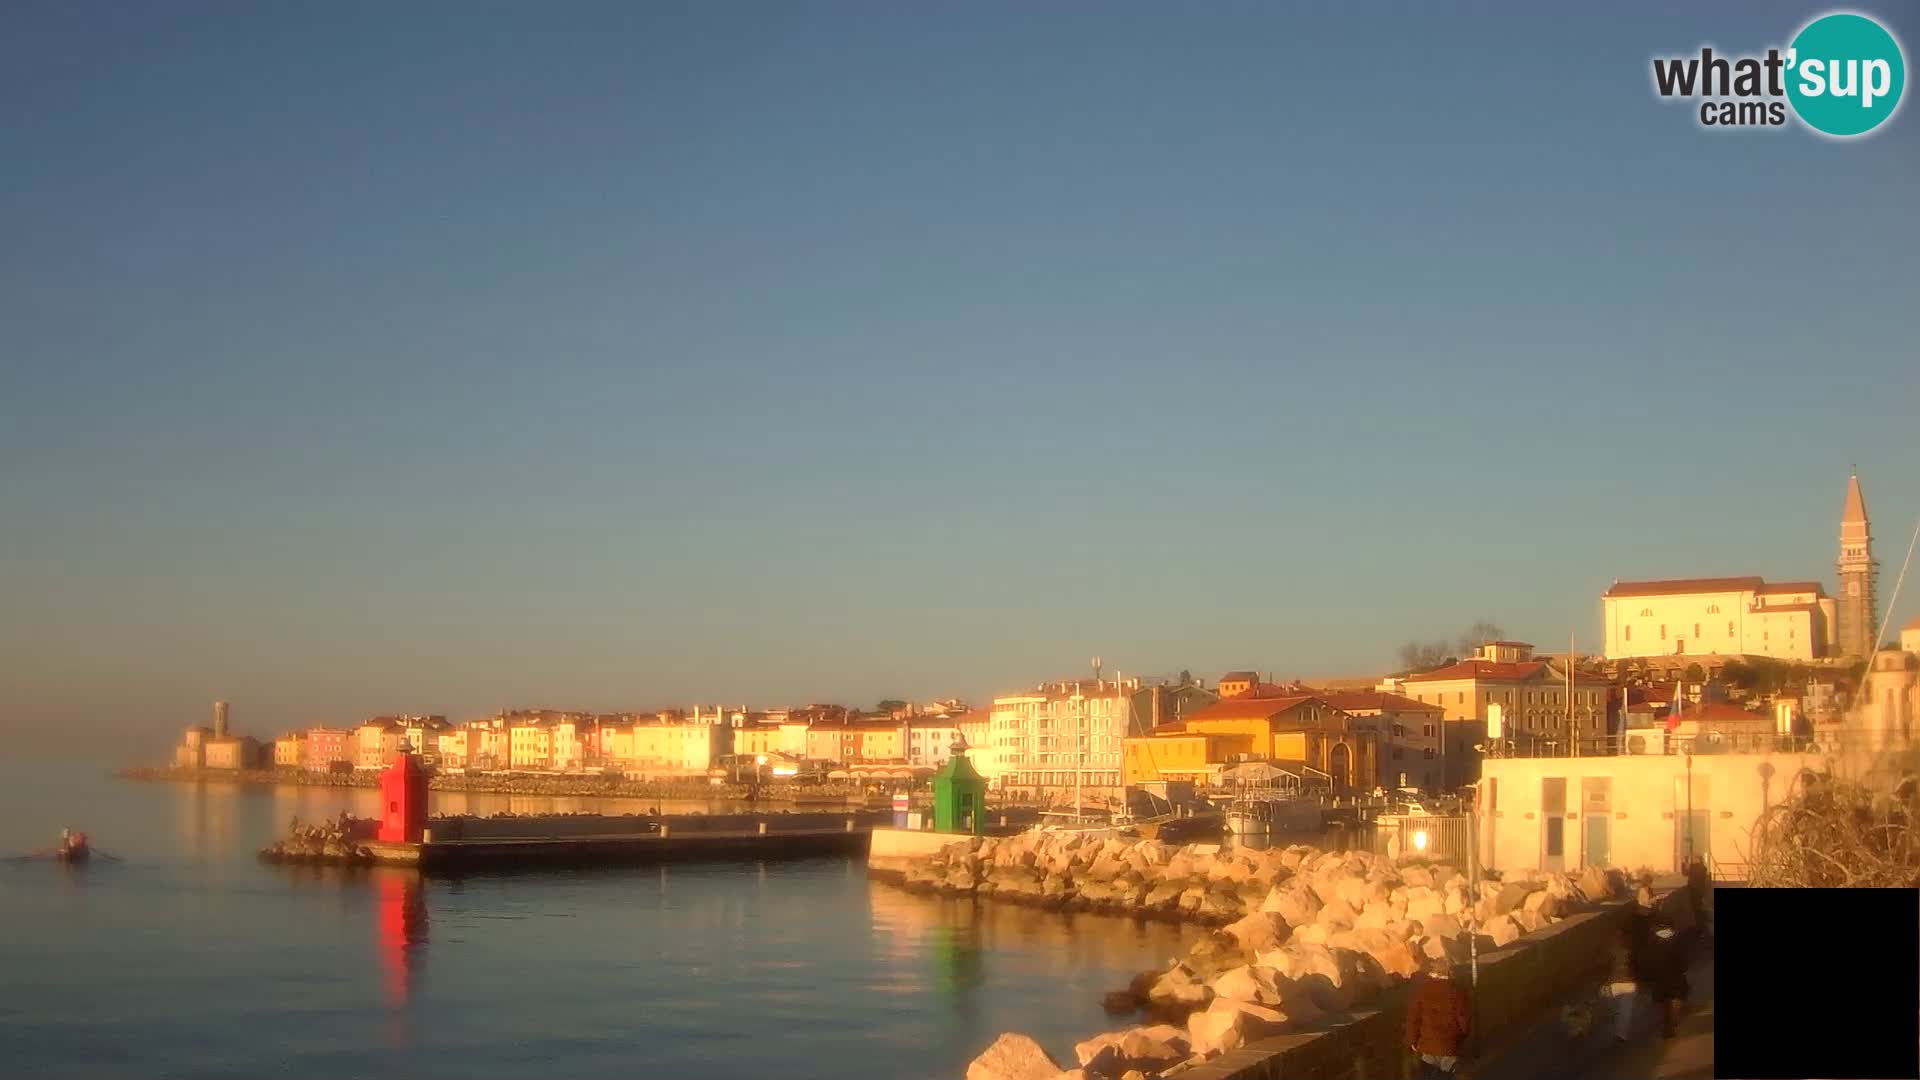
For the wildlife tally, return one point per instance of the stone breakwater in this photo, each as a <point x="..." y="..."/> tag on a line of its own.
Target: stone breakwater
<point x="340" y="841"/>
<point x="1301" y="935"/>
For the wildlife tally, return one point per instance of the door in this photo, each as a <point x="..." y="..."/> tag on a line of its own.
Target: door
<point x="1596" y="814"/>
<point x="1553" y="823"/>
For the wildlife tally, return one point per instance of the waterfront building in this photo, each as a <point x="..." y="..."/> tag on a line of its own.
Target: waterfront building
<point x="670" y="745"/>
<point x="422" y="734"/>
<point x="571" y="733"/>
<point x="192" y="751"/>
<point x="377" y="740"/>
<point x="853" y="741"/>
<point x="1728" y="616"/>
<point x="529" y="743"/>
<point x="288" y="749"/>
<point x="1300" y="733"/>
<point x="1532" y="698"/>
<point x="929" y="740"/>
<point x="1063" y="735"/>
<point x="232" y="752"/>
<point x="324" y="746"/>
<point x="1648" y="810"/>
<point x="976" y="727"/>
<point x="771" y="733"/>
<point x="453" y="746"/>
<point x="1910" y="636"/>
<point x="1409" y="732"/>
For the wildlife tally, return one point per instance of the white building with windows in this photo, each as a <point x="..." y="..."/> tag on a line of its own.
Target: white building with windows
<point x="1730" y="616"/>
<point x="1047" y="738"/>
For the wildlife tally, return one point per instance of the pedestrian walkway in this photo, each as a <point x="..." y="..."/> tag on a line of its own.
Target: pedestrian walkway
<point x="1549" y="1051"/>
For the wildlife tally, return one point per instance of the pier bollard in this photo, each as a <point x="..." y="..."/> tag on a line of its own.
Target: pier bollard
<point x="763" y="828"/>
<point x="849" y="824"/>
<point x="663" y="830"/>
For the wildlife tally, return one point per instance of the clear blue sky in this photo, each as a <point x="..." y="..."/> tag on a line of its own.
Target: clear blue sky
<point x="447" y="356"/>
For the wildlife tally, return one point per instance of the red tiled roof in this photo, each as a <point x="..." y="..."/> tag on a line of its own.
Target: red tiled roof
<point x="1794" y="586"/>
<point x="1489" y="670"/>
<point x="1367" y="700"/>
<point x="1247" y="707"/>
<point x="1786" y="607"/>
<point x="1674" y="586"/>
<point x="1240" y="676"/>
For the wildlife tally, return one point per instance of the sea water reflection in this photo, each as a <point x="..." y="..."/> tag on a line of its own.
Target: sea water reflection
<point x="192" y="959"/>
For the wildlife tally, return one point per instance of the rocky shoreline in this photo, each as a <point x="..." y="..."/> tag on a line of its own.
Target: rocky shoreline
<point x="516" y="784"/>
<point x="1300" y="935"/>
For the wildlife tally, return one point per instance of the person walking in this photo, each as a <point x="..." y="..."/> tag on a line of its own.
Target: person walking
<point x="1699" y="886"/>
<point x="1439" y="1019"/>
<point x="1627" y="970"/>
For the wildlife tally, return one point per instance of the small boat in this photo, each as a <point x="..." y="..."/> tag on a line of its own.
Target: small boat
<point x="1254" y="816"/>
<point x="73" y="852"/>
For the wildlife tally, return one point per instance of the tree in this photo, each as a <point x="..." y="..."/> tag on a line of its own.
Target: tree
<point x="1695" y="673"/>
<point x="1423" y="656"/>
<point x="1479" y="634"/>
<point x="890" y="705"/>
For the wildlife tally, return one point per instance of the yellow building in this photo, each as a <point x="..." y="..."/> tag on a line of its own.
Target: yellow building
<point x="287" y="750"/>
<point x="1910" y="636"/>
<point x="1533" y="702"/>
<point x="676" y="747"/>
<point x="1179" y="756"/>
<point x="1718" y="616"/>
<point x="1298" y="729"/>
<point x="529" y="744"/>
<point x="376" y="741"/>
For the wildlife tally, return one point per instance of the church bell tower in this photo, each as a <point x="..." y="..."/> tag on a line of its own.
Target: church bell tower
<point x="1858" y="572"/>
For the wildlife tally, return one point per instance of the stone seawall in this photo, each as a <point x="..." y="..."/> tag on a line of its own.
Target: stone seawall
<point x="1310" y="961"/>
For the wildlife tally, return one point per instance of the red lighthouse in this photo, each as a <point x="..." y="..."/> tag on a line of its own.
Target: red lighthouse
<point x="403" y="800"/>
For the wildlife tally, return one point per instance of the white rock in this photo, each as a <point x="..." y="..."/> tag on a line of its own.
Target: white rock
<point x="1013" y="1056"/>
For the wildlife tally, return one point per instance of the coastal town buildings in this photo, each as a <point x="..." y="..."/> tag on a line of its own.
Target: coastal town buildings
<point x="233" y="752"/>
<point x="929" y="740"/>
<point x="1910" y="636"/>
<point x="1532" y="699"/>
<point x="325" y="746"/>
<point x="1299" y="733"/>
<point x="288" y="750"/>
<point x="1063" y="736"/>
<point x="1409" y="733"/>
<point x="376" y="741"/>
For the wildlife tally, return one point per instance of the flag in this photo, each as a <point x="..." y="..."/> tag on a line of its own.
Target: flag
<point x="1673" y="715"/>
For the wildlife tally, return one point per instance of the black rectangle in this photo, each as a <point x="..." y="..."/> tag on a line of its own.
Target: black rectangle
<point x="1816" y="983"/>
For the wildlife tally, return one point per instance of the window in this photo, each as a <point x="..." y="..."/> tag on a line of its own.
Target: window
<point x="1459" y="697"/>
<point x="1428" y="754"/>
<point x="1713" y="609"/>
<point x="1429" y="731"/>
<point x="1696" y="630"/>
<point x="1629" y="633"/>
<point x="1646" y="613"/>
<point x="1729" y="627"/>
<point x="1663" y="631"/>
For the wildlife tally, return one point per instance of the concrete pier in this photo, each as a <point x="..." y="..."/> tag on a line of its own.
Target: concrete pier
<point x="540" y="853"/>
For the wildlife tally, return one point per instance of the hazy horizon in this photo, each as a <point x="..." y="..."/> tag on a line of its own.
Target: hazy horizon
<point x="445" y="358"/>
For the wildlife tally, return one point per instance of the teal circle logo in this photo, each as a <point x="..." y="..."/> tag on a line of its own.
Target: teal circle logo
<point x="1845" y="74"/>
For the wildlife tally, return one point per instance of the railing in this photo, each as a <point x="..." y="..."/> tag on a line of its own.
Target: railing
<point x="1656" y="742"/>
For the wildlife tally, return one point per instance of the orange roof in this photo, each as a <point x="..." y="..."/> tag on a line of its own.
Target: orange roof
<point x="1793" y="586"/>
<point x="1365" y="700"/>
<point x="1501" y="671"/>
<point x="1246" y="707"/>
<point x="1675" y="586"/>
<point x="1239" y="676"/>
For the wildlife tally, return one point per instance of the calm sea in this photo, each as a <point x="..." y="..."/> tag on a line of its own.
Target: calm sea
<point x="189" y="958"/>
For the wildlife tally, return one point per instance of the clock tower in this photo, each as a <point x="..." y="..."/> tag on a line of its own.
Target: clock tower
<point x="1857" y="573"/>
